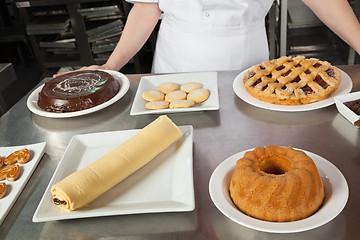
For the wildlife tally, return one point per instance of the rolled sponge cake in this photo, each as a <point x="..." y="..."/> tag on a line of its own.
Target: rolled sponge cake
<point x="81" y="187"/>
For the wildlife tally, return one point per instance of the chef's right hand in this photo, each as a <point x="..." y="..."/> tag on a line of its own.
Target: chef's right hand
<point x="92" y="67"/>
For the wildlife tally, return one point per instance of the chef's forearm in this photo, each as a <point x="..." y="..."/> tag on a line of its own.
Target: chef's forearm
<point x="339" y="17"/>
<point x="141" y="21"/>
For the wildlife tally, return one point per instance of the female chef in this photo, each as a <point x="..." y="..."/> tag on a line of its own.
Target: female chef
<point x="213" y="35"/>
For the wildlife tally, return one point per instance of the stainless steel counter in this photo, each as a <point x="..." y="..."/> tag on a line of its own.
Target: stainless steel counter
<point x="236" y="127"/>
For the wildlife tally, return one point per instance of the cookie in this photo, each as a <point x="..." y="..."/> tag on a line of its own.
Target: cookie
<point x="2" y="189"/>
<point x="168" y="87"/>
<point x="153" y="95"/>
<point x="175" y="95"/>
<point x="181" y="104"/>
<point x="157" y="105"/>
<point x="199" y="95"/>
<point x="189" y="87"/>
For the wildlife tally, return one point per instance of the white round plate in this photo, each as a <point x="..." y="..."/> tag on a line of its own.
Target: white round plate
<point x="239" y="89"/>
<point x="336" y="195"/>
<point x="33" y="98"/>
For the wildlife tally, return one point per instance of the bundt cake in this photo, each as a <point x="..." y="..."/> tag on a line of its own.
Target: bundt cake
<point x="278" y="184"/>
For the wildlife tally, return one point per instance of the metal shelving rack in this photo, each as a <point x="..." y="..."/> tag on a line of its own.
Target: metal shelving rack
<point x="302" y="33"/>
<point x="82" y="55"/>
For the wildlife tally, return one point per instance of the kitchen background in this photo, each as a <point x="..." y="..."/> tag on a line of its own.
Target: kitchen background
<point x="42" y="37"/>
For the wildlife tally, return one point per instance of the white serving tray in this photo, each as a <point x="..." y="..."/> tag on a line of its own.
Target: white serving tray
<point x="336" y="196"/>
<point x="27" y="169"/>
<point x="239" y="89"/>
<point x="33" y="98"/>
<point x="165" y="184"/>
<point x="208" y="80"/>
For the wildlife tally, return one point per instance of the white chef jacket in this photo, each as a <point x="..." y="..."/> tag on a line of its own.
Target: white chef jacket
<point x="210" y="35"/>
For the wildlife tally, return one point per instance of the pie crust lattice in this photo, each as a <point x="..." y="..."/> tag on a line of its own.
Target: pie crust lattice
<point x="292" y="80"/>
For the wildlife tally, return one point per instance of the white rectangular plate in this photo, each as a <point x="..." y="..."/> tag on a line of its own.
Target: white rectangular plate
<point x="208" y="80"/>
<point x="343" y="109"/>
<point x="15" y="188"/>
<point x="165" y="184"/>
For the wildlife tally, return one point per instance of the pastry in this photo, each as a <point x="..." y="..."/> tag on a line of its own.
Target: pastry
<point x="157" y="105"/>
<point x="199" y="95"/>
<point x="85" y="185"/>
<point x="2" y="190"/>
<point x="181" y="104"/>
<point x="175" y="95"/>
<point x="278" y="184"/>
<point x="77" y="91"/>
<point x="1" y="161"/>
<point x="168" y="87"/>
<point x="10" y="173"/>
<point x="292" y="81"/>
<point x="21" y="156"/>
<point x="189" y="87"/>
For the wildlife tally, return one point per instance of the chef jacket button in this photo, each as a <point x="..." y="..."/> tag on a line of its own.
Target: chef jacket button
<point x="207" y="14"/>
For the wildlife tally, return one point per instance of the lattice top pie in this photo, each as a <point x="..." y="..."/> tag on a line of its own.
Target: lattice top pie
<point x="292" y="81"/>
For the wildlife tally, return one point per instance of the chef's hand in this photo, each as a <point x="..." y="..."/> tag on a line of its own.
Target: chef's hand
<point x="92" y="67"/>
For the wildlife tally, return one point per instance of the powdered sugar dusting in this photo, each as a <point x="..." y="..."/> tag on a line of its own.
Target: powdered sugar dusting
<point x="81" y="83"/>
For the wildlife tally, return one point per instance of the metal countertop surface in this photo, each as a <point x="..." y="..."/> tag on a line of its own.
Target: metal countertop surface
<point x="235" y="127"/>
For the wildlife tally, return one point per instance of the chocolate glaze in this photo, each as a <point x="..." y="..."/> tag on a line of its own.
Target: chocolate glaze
<point x="77" y="91"/>
<point x="354" y="106"/>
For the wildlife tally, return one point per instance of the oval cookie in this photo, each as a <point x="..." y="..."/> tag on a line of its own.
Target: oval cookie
<point x="175" y="95"/>
<point x="199" y="95"/>
<point x="181" y="104"/>
<point x="152" y="95"/>
<point x="157" y="105"/>
<point x="168" y="87"/>
<point x="189" y="87"/>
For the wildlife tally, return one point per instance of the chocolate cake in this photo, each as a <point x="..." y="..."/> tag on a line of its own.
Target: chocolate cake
<point x="77" y="91"/>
